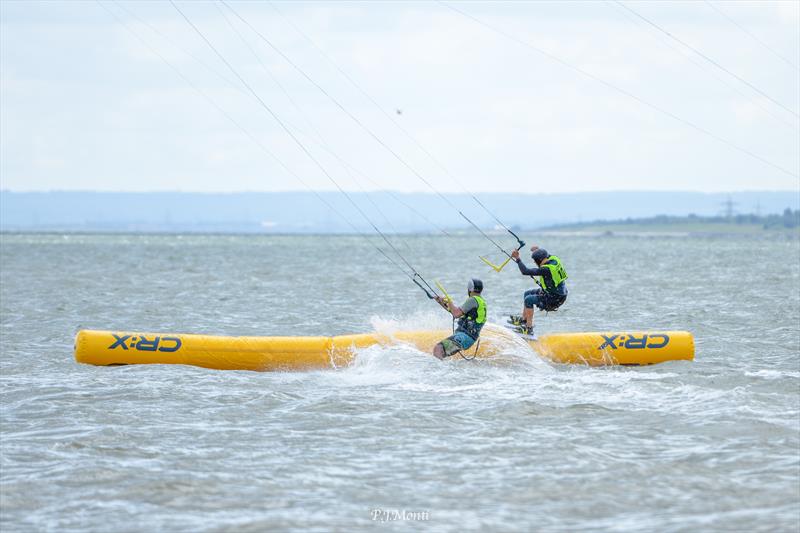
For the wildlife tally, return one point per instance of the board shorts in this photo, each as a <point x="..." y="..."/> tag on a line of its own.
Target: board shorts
<point x="542" y="300"/>
<point x="456" y="342"/>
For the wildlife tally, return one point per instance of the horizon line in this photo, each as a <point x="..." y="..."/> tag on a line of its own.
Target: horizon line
<point x="392" y="191"/>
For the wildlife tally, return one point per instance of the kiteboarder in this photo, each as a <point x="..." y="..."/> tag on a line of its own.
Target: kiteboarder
<point x="551" y="292"/>
<point x="471" y="318"/>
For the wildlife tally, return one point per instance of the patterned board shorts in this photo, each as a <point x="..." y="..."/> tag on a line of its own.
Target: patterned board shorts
<point x="456" y="342"/>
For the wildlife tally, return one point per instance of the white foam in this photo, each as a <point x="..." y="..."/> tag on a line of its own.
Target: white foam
<point x="773" y="374"/>
<point x="419" y="320"/>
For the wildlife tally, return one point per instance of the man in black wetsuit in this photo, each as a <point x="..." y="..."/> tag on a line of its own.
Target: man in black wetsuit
<point x="551" y="292"/>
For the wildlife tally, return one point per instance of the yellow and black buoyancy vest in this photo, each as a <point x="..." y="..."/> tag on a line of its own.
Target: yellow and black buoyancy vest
<point x="557" y="273"/>
<point x="472" y="322"/>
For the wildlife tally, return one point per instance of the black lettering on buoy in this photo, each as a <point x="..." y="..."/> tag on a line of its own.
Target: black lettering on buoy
<point x="145" y="345"/>
<point x="661" y="344"/>
<point x="119" y="342"/>
<point x="175" y="340"/>
<point x="609" y="341"/>
<point x="636" y="344"/>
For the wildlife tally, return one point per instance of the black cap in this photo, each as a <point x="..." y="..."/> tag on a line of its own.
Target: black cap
<point x="539" y="255"/>
<point x="475" y="285"/>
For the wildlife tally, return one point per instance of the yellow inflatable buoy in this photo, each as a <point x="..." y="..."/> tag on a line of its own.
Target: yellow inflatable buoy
<point x="305" y="353"/>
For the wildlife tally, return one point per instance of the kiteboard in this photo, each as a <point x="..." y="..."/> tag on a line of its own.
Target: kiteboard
<point x="517" y="328"/>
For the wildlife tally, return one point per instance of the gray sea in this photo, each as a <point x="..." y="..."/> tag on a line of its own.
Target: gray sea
<point x="399" y="440"/>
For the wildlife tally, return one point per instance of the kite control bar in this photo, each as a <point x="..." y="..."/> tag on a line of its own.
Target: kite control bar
<point x="498" y="268"/>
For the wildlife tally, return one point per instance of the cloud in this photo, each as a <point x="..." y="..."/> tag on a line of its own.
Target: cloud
<point x="500" y="116"/>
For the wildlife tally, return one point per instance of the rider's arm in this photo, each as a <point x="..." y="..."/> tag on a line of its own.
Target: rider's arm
<point x="531" y="271"/>
<point x="450" y="306"/>
<point x="468" y="305"/>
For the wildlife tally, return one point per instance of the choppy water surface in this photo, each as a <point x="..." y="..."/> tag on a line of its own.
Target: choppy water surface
<point x="514" y="444"/>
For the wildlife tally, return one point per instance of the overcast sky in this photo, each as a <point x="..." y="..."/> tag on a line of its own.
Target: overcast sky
<point x="87" y="103"/>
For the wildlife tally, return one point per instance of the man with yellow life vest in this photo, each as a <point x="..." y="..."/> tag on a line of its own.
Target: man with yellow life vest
<point x="551" y="292"/>
<point x="471" y="318"/>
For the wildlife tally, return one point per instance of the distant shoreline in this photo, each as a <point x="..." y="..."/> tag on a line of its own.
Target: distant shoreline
<point x="304" y="213"/>
<point x="587" y="232"/>
<point x="786" y="223"/>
